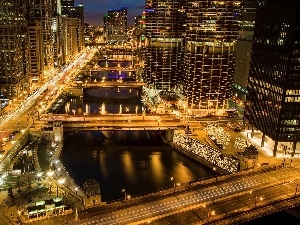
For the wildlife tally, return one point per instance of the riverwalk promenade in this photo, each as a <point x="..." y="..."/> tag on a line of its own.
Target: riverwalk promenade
<point x="33" y="189"/>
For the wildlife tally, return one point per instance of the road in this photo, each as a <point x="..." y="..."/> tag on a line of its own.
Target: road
<point x="228" y="195"/>
<point x="22" y="116"/>
<point x="24" y="107"/>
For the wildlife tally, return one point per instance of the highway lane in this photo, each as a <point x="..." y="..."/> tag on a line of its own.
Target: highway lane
<point x="235" y="188"/>
<point x="223" y="208"/>
<point x="47" y="87"/>
<point x="24" y="114"/>
<point x="29" y="102"/>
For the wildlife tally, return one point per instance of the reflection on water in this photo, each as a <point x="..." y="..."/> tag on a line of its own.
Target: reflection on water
<point x="77" y="106"/>
<point x="136" y="160"/>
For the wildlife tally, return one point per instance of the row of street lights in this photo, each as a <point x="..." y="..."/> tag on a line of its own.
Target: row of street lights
<point x="60" y="181"/>
<point x="127" y="197"/>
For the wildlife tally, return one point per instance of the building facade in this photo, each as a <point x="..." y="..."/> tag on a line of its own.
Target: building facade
<point x="164" y="44"/>
<point x="35" y="51"/>
<point x="273" y="99"/>
<point x="117" y="25"/>
<point x="66" y="5"/>
<point x="13" y="49"/>
<point x="41" y="10"/>
<point x="212" y="31"/>
<point x="243" y="47"/>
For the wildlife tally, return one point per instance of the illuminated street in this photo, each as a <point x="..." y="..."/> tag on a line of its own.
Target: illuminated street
<point x="230" y="194"/>
<point x="149" y="112"/>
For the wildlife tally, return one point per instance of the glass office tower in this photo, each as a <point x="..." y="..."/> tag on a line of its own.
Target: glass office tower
<point x="273" y="100"/>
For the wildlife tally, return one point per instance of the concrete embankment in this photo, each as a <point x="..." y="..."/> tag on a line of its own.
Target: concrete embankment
<point x="203" y="153"/>
<point x="199" y="159"/>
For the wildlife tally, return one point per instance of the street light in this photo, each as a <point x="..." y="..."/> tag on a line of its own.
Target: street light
<point x="19" y="215"/>
<point x="257" y="197"/>
<point x="235" y="100"/>
<point x="215" y="169"/>
<point x="125" y="195"/>
<point x="210" y="213"/>
<point x="296" y="189"/>
<point x="39" y="175"/>
<point x="172" y="179"/>
<point x="60" y="181"/>
<point x="50" y="174"/>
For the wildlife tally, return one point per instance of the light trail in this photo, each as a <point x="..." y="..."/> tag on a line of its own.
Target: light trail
<point x="78" y="63"/>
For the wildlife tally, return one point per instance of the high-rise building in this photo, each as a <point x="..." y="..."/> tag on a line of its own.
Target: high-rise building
<point x="66" y="5"/>
<point x="70" y="37"/>
<point x="139" y="29"/>
<point x="164" y="44"/>
<point x="105" y="26"/>
<point x="117" y="25"/>
<point x="56" y="7"/>
<point x="41" y="10"/>
<point x="13" y="49"/>
<point x="243" y="47"/>
<point x="72" y="29"/>
<point x="273" y="99"/>
<point x="212" y="30"/>
<point x="247" y="17"/>
<point x="35" y="51"/>
<point x="80" y="16"/>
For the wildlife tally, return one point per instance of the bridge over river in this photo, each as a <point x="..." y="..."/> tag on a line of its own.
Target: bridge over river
<point x="118" y="121"/>
<point x="228" y="199"/>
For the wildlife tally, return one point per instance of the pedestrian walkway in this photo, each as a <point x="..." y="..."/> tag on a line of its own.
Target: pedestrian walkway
<point x="265" y="154"/>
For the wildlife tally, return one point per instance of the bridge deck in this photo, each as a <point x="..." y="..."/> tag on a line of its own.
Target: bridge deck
<point x="117" y="122"/>
<point x="222" y="200"/>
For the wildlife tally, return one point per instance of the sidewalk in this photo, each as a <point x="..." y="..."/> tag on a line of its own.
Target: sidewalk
<point x="265" y="154"/>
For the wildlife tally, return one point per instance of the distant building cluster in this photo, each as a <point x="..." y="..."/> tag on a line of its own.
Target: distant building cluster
<point x="214" y="50"/>
<point x="115" y="25"/>
<point x="37" y="35"/>
<point x="192" y="45"/>
<point x="207" y="50"/>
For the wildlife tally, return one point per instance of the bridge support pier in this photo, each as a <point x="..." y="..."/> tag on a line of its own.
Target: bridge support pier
<point x="275" y="148"/>
<point x="170" y="135"/>
<point x="263" y="140"/>
<point x="294" y="148"/>
<point x="58" y="133"/>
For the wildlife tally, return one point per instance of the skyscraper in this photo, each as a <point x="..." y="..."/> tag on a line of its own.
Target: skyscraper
<point x="105" y="26"/>
<point x="273" y="100"/>
<point x="66" y="5"/>
<point x="164" y="47"/>
<point x="13" y="50"/>
<point x="211" y="34"/>
<point x="243" y="47"/>
<point x="72" y="29"/>
<point x="41" y="10"/>
<point x="117" y="25"/>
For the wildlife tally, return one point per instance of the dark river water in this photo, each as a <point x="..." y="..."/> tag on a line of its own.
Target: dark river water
<point x="136" y="160"/>
<point x="105" y="101"/>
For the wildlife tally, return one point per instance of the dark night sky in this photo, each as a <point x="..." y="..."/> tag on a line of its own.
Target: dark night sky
<point x="95" y="9"/>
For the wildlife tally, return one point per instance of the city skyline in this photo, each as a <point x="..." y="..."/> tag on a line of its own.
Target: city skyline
<point x="153" y="111"/>
<point x="95" y="9"/>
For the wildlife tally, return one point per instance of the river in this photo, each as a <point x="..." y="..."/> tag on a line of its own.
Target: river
<point x="138" y="161"/>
